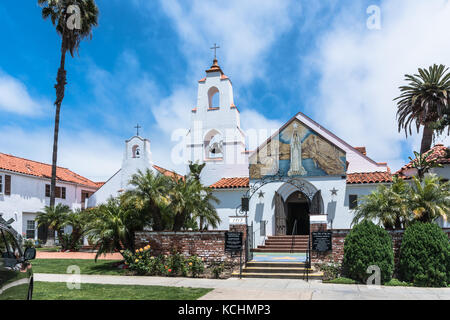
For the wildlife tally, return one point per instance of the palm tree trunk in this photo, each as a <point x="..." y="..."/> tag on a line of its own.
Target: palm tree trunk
<point x="60" y="88"/>
<point x="427" y="139"/>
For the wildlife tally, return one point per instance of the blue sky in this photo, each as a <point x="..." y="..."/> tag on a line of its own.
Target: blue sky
<point x="145" y="58"/>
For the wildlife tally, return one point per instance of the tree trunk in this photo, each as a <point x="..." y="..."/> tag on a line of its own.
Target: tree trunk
<point x="60" y="88"/>
<point x="427" y="139"/>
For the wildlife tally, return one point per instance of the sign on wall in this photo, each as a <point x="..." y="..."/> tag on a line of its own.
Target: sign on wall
<point x="233" y="241"/>
<point x="322" y="241"/>
<point x="237" y="220"/>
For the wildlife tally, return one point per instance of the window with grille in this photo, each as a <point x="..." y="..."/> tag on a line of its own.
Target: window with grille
<point x="31" y="227"/>
<point x="60" y="192"/>
<point x="352" y="201"/>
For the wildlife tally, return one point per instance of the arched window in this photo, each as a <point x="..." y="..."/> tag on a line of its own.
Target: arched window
<point x="213" y="97"/>
<point x="136" y="151"/>
<point x="213" y="145"/>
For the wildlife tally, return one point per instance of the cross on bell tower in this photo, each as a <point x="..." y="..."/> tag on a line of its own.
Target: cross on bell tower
<point x="215" y="50"/>
<point x="137" y="127"/>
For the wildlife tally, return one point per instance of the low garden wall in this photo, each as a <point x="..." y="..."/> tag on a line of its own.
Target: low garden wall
<point x="339" y="235"/>
<point x="208" y="245"/>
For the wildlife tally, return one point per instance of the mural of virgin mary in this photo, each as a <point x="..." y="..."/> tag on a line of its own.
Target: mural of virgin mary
<point x="296" y="168"/>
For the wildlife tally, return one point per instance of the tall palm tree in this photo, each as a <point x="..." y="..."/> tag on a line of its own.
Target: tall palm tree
<point x="150" y="194"/>
<point x="424" y="101"/>
<point x="56" y="10"/>
<point x="387" y="204"/>
<point x="430" y="199"/>
<point x="54" y="218"/>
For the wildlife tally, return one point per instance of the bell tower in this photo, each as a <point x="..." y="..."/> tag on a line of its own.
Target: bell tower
<point x="215" y="136"/>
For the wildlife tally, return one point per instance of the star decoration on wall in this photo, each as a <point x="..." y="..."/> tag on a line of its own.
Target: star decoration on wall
<point x="260" y="194"/>
<point x="334" y="192"/>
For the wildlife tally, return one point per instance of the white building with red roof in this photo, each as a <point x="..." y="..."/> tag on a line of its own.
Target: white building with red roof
<point x="25" y="191"/>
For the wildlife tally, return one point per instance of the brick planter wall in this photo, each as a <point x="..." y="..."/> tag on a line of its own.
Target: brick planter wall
<point x="337" y="255"/>
<point x="209" y="245"/>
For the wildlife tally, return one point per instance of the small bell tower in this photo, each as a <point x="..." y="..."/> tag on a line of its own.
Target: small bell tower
<point x="215" y="136"/>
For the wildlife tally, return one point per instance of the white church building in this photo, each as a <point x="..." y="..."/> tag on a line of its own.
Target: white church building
<point x="301" y="174"/>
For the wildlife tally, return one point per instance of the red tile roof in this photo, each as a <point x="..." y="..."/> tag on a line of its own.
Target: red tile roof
<point x="362" y="150"/>
<point x="43" y="170"/>
<point x="369" y="177"/>
<point x="438" y="152"/>
<point x="231" y="183"/>
<point x="352" y="178"/>
<point x="168" y="173"/>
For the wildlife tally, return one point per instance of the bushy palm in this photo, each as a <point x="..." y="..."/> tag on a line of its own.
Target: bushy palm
<point x="423" y="164"/>
<point x="78" y="221"/>
<point x="54" y="218"/>
<point x="430" y="199"/>
<point x="150" y="195"/>
<point x="57" y="11"/>
<point x="107" y="229"/>
<point x="387" y="204"/>
<point x="424" y="101"/>
<point x="190" y="199"/>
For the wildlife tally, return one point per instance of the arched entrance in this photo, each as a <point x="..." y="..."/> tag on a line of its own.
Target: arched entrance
<point x="297" y="214"/>
<point x="293" y="205"/>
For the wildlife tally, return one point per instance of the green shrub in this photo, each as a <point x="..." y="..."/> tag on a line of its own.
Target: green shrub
<point x="397" y="283"/>
<point x="425" y="256"/>
<point x="341" y="280"/>
<point x="217" y="268"/>
<point x="331" y="270"/>
<point x="366" y="245"/>
<point x="176" y="265"/>
<point x="68" y="242"/>
<point x="195" y="266"/>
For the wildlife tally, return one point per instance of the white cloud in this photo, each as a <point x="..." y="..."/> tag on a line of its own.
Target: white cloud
<point x="361" y="70"/>
<point x="245" y="31"/>
<point x="15" y="98"/>
<point x="87" y="153"/>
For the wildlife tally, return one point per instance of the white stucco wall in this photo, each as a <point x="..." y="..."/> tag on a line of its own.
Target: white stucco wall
<point x="229" y="200"/>
<point x="28" y="196"/>
<point x="335" y="206"/>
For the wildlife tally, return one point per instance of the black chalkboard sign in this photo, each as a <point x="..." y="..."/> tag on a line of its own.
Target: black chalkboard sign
<point x="233" y="241"/>
<point x="322" y="241"/>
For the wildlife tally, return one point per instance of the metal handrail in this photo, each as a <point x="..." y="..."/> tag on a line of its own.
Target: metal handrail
<point x="294" y="231"/>
<point x="308" y="258"/>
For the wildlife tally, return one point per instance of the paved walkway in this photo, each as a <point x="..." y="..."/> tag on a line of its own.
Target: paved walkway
<point x="261" y="289"/>
<point x="77" y="255"/>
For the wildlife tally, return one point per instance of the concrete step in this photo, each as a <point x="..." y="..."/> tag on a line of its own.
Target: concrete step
<point x="312" y="276"/>
<point x="288" y="237"/>
<point x="276" y="270"/>
<point x="281" y="246"/>
<point x="279" y="250"/>
<point x="276" y="264"/>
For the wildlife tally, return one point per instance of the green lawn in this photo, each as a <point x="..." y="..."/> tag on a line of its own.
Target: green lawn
<point x="59" y="291"/>
<point x="104" y="267"/>
<point x="49" y="249"/>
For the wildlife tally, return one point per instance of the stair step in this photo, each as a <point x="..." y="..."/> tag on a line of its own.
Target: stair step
<point x="279" y="250"/>
<point x="279" y="275"/>
<point x="276" y="264"/>
<point x="287" y="246"/>
<point x="276" y="270"/>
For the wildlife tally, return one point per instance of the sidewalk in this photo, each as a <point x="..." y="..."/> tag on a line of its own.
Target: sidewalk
<point x="261" y="289"/>
<point x="77" y="255"/>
